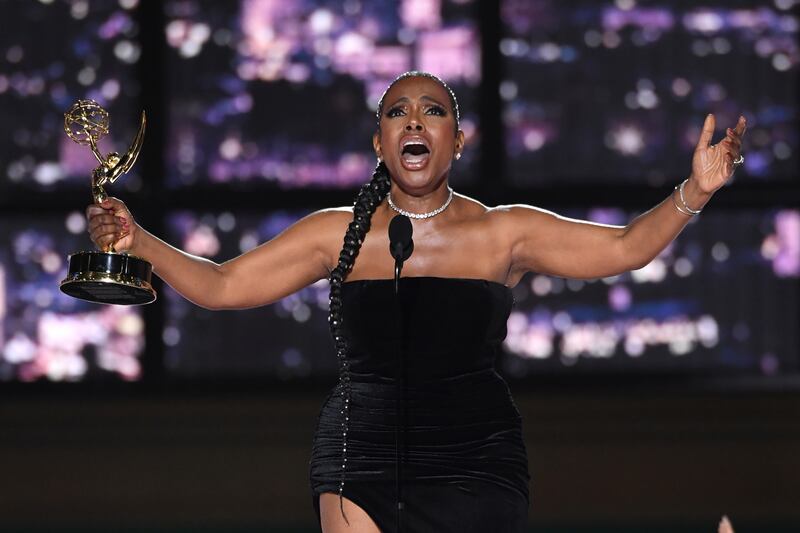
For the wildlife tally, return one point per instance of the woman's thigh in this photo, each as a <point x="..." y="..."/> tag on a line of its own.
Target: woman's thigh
<point x="355" y="519"/>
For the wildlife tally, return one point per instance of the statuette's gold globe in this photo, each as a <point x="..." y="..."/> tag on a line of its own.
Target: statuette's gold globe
<point x="86" y="122"/>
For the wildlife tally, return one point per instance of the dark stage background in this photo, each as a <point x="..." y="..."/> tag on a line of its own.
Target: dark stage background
<point x="653" y="401"/>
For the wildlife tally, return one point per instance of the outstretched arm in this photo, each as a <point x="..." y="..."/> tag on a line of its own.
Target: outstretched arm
<point x="294" y="259"/>
<point x="550" y="244"/>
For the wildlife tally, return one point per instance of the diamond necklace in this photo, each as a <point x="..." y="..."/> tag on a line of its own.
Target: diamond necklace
<point x="421" y="215"/>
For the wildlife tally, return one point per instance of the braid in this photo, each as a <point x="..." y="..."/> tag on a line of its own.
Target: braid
<point x="368" y="199"/>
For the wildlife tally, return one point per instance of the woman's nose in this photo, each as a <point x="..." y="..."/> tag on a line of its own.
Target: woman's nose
<point x="414" y="125"/>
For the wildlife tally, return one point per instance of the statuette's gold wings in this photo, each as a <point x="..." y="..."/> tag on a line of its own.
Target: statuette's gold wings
<point x="116" y="166"/>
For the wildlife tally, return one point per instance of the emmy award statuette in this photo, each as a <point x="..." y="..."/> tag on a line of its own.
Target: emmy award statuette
<point x="105" y="276"/>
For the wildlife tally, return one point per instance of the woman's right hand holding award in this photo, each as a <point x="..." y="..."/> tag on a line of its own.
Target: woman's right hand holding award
<point x="110" y="224"/>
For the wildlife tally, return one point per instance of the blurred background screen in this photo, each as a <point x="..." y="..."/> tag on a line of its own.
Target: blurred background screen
<point x="285" y="92"/>
<point x="46" y="335"/>
<point x="722" y="299"/>
<point x="268" y="108"/>
<point x="91" y="51"/>
<point x="628" y="84"/>
<point x="288" y="339"/>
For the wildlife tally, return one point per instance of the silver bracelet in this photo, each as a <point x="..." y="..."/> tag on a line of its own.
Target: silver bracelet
<point x="685" y="209"/>
<point x="678" y="207"/>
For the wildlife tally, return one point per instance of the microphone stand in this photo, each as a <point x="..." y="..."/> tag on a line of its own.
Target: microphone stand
<point x="400" y="400"/>
<point x="401" y="246"/>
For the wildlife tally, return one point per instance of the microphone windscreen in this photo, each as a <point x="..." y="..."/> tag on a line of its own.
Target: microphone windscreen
<point x="400" y="230"/>
<point x="400" y="243"/>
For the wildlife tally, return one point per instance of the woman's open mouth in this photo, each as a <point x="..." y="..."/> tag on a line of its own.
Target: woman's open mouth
<point x="414" y="153"/>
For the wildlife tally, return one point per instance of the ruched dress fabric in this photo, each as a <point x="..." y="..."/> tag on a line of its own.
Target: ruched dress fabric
<point x="464" y="465"/>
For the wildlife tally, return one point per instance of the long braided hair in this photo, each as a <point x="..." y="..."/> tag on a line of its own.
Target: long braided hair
<point x="368" y="199"/>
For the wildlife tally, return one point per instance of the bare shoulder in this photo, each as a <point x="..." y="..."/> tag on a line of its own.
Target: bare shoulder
<point x="333" y="213"/>
<point x="521" y="220"/>
<point x="516" y="212"/>
<point x="472" y="209"/>
<point x="329" y="219"/>
<point x="503" y="217"/>
<point x="322" y="231"/>
<point x="536" y="219"/>
<point x="332" y="220"/>
<point x="488" y="223"/>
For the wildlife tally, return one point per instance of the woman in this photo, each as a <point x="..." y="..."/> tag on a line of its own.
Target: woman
<point x="464" y="466"/>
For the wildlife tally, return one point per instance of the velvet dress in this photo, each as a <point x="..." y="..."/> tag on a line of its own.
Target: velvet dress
<point x="462" y="458"/>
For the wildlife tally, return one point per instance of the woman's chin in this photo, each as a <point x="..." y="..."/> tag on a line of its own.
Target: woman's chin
<point x="417" y="177"/>
<point x="417" y="183"/>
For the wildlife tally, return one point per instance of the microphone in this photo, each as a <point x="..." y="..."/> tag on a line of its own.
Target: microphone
<point x="400" y="243"/>
<point x="400" y="246"/>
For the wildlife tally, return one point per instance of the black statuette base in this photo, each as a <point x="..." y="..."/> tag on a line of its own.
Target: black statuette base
<point x="109" y="278"/>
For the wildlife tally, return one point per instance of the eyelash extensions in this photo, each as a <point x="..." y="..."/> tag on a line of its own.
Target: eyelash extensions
<point x="436" y="110"/>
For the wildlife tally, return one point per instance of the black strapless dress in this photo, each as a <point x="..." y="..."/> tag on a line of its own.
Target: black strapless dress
<point x="464" y="466"/>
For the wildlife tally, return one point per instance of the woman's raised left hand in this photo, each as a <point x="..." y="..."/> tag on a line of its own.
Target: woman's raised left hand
<point x="713" y="164"/>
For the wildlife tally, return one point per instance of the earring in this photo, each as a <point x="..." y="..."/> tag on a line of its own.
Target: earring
<point x="380" y="159"/>
<point x="458" y="156"/>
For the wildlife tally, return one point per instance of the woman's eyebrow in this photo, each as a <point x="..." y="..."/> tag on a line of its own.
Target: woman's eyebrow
<point x="431" y="100"/>
<point x="424" y="97"/>
<point x="403" y="99"/>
